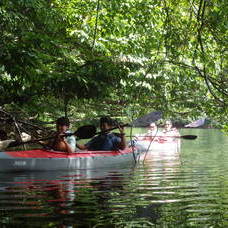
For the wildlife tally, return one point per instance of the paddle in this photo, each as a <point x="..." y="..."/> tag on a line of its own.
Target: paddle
<point x="113" y="128"/>
<point x="190" y="137"/>
<point x="84" y="132"/>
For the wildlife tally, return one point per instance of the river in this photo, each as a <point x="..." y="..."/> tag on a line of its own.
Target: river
<point x="188" y="188"/>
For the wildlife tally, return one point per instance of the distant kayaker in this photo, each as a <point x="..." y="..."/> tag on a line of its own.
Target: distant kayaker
<point x="60" y="143"/>
<point x="106" y="141"/>
<point x="169" y="131"/>
<point x="153" y="129"/>
<point x="150" y="135"/>
<point x="169" y="127"/>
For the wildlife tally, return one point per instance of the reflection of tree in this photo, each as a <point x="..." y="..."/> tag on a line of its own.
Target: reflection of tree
<point x="169" y="190"/>
<point x="207" y="171"/>
<point x="64" y="201"/>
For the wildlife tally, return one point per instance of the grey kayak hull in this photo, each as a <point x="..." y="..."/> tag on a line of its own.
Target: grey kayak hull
<point x="43" y="160"/>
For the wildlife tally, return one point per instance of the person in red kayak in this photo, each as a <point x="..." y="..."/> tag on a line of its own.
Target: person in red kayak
<point x="60" y="143"/>
<point x="106" y="141"/>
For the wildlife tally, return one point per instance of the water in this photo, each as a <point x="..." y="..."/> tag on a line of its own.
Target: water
<point x="186" y="188"/>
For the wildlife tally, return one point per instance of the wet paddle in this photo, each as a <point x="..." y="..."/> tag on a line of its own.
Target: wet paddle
<point x="110" y="129"/>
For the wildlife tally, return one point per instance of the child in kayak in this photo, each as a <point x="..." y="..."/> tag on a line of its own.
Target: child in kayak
<point x="60" y="143"/>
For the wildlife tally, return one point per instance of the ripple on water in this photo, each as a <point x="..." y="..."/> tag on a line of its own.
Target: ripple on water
<point x="186" y="189"/>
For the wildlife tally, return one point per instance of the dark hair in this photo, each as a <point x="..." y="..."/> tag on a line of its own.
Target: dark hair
<point x="63" y="121"/>
<point x="106" y="119"/>
<point x="3" y="135"/>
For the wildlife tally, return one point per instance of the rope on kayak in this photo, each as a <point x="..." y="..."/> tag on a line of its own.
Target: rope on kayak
<point x="132" y="145"/>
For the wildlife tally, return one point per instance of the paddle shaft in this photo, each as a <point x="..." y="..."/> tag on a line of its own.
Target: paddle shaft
<point x="102" y="132"/>
<point x="191" y="137"/>
<point x="113" y="128"/>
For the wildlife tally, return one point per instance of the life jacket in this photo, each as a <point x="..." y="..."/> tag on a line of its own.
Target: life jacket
<point x="99" y="142"/>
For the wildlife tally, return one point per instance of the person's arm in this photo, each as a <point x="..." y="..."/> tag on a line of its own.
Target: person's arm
<point x="71" y="142"/>
<point x="88" y="145"/>
<point x="60" y="143"/>
<point x="69" y="149"/>
<point x="81" y="147"/>
<point x="123" y="143"/>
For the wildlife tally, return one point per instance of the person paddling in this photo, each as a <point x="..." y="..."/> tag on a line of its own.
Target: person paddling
<point x="60" y="143"/>
<point x="106" y="141"/>
<point x="169" y="127"/>
<point x="153" y="129"/>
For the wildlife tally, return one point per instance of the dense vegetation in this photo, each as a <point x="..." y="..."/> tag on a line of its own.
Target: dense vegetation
<point x="124" y="57"/>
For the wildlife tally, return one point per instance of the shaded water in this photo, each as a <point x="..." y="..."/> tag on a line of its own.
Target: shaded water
<point x="186" y="188"/>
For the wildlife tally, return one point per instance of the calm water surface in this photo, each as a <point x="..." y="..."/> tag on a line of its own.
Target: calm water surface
<point x="188" y="188"/>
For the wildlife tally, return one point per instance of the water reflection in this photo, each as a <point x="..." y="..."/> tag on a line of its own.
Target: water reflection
<point x="61" y="198"/>
<point x="186" y="187"/>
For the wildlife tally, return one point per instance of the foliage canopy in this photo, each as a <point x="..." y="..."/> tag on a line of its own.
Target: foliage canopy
<point x="121" y="57"/>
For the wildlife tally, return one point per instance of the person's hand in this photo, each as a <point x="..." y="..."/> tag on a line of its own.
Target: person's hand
<point x="59" y="137"/>
<point x="121" y="129"/>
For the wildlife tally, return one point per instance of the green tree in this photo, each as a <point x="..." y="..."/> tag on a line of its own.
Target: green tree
<point x="162" y="55"/>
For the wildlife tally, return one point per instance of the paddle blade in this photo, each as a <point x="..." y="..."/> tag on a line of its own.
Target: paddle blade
<point x="191" y="137"/>
<point x="85" y="132"/>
